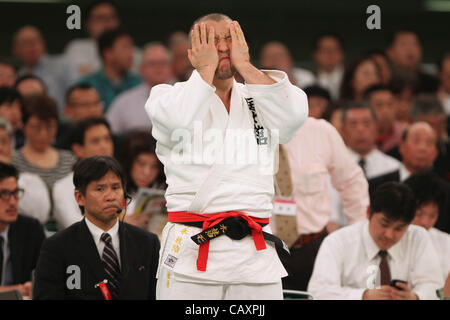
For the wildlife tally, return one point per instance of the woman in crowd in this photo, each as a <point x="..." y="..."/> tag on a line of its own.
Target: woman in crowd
<point x="143" y="170"/>
<point x="40" y="121"/>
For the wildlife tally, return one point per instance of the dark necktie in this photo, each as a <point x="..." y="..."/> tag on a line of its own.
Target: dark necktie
<point x="1" y="259"/>
<point x="362" y="164"/>
<point x="385" y="272"/>
<point x="111" y="264"/>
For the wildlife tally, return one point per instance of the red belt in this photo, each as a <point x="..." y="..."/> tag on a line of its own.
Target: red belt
<point x="210" y="220"/>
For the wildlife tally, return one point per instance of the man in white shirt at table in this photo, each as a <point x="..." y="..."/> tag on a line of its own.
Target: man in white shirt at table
<point x="361" y="260"/>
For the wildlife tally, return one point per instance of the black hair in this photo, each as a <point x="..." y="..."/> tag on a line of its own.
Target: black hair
<point x="93" y="169"/>
<point x="8" y="62"/>
<point x="427" y="189"/>
<point x="374" y="88"/>
<point x="28" y="77"/>
<point x="353" y="105"/>
<point x="41" y="106"/>
<point x="95" y="4"/>
<point x="9" y="95"/>
<point x="77" y="133"/>
<point x="78" y="86"/>
<point x="136" y="143"/>
<point x="108" y="38"/>
<point x="393" y="35"/>
<point x="395" y="200"/>
<point x="317" y="91"/>
<point x="8" y="170"/>
<point x="336" y="36"/>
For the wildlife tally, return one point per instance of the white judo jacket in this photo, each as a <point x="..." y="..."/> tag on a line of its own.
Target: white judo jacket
<point x="217" y="161"/>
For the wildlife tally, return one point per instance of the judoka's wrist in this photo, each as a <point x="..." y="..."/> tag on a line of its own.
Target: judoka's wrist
<point x="207" y="73"/>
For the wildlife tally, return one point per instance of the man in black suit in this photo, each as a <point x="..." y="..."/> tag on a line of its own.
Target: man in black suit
<point x="419" y="150"/>
<point x="21" y="237"/>
<point x="99" y="257"/>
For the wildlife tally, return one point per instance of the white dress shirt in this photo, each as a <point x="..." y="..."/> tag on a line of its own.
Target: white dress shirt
<point x="317" y="157"/>
<point x="347" y="263"/>
<point x="376" y="163"/>
<point x="97" y="233"/>
<point x="65" y="208"/>
<point x="127" y="110"/>
<point x="6" y="270"/>
<point x="441" y="242"/>
<point x="404" y="173"/>
<point x="331" y="81"/>
<point x="303" y="78"/>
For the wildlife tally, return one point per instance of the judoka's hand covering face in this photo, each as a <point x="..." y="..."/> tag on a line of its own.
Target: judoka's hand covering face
<point x="239" y="47"/>
<point x="203" y="54"/>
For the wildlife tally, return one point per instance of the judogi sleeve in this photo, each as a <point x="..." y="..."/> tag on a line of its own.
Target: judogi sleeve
<point x="281" y="106"/>
<point x="178" y="106"/>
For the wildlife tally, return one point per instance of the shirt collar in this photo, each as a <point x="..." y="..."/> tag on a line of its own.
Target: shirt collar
<point x="97" y="232"/>
<point x="404" y="173"/>
<point x="4" y="233"/>
<point x="372" y="249"/>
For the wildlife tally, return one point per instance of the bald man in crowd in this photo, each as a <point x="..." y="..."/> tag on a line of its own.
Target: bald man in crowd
<point x="127" y="111"/>
<point x="418" y="149"/>
<point x="57" y="74"/>
<point x="275" y="55"/>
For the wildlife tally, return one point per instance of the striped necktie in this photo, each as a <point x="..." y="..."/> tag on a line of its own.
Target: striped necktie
<point x="111" y="265"/>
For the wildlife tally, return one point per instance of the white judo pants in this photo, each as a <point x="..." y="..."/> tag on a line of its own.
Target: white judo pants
<point x="169" y="288"/>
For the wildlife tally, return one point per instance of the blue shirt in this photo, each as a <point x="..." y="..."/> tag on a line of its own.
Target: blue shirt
<point x="107" y="89"/>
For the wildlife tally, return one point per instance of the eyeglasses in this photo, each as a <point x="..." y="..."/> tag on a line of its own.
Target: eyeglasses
<point x="5" y="195"/>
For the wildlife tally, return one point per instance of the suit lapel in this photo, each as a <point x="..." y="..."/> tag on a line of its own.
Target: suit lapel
<point x="126" y="262"/>
<point x="89" y="253"/>
<point x="16" y="247"/>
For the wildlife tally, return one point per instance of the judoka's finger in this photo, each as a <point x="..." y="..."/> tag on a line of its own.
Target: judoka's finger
<point x="211" y="36"/>
<point x="195" y="39"/>
<point x="203" y="33"/>
<point x="234" y="37"/>
<point x="239" y="31"/>
<point x="189" y="52"/>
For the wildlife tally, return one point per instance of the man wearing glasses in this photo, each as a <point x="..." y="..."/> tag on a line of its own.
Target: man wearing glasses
<point x="20" y="236"/>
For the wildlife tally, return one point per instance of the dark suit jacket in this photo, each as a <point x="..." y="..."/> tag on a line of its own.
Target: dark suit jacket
<point x="25" y="237"/>
<point x="443" y="221"/>
<point x="139" y="254"/>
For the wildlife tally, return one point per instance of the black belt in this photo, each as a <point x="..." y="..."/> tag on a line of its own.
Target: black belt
<point x="235" y="229"/>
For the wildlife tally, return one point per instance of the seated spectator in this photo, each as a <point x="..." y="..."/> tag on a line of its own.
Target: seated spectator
<point x="127" y="112"/>
<point x="404" y="51"/>
<point x="359" y="75"/>
<point x="116" y="50"/>
<point x="319" y="102"/>
<point x="101" y="16"/>
<point x="143" y="170"/>
<point x="275" y="55"/>
<point x="89" y="137"/>
<point x="359" y="130"/>
<point x="56" y="72"/>
<point x="418" y="150"/>
<point x="11" y="109"/>
<point x="30" y="85"/>
<point x="8" y="74"/>
<point x="100" y="245"/>
<point x="35" y="201"/>
<point x="390" y="130"/>
<point x="444" y="87"/>
<point x="82" y="102"/>
<point x="40" y="121"/>
<point x="20" y="236"/>
<point x="328" y="55"/>
<point x="428" y="108"/>
<point x="430" y="198"/>
<point x="359" y="261"/>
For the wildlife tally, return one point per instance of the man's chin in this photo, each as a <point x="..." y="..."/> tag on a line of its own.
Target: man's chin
<point x="225" y="74"/>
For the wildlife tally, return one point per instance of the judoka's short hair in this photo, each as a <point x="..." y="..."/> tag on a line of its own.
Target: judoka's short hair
<point x="395" y="200"/>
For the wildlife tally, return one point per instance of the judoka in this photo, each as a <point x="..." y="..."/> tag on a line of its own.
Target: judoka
<point x="220" y="191"/>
